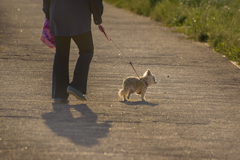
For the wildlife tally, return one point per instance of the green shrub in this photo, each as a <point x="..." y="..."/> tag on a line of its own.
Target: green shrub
<point x="216" y="22"/>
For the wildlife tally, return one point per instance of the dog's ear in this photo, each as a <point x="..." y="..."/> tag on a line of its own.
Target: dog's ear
<point x="147" y="73"/>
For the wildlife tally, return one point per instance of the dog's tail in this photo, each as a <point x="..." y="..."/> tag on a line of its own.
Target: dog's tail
<point x="121" y="93"/>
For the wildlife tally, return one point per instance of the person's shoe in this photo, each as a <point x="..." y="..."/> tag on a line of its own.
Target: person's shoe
<point x="76" y="93"/>
<point x="60" y="100"/>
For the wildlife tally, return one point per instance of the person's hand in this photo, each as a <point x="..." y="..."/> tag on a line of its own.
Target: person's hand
<point x="100" y="27"/>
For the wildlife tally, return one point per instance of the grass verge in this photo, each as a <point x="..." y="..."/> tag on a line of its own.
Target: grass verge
<point x="216" y="22"/>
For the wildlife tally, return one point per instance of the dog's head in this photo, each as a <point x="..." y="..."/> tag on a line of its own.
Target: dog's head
<point x="149" y="77"/>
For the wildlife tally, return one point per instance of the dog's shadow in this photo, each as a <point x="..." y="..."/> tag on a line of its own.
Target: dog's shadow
<point x="82" y="130"/>
<point x="133" y="103"/>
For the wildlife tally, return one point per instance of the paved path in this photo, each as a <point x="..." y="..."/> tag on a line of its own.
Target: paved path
<point x="192" y="112"/>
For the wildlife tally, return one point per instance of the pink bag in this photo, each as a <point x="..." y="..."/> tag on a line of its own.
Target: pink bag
<point x="47" y="38"/>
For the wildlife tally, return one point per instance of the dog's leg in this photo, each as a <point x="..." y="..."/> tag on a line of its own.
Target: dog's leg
<point x="124" y="97"/>
<point x="143" y="95"/>
<point x="129" y="93"/>
<point x="125" y="93"/>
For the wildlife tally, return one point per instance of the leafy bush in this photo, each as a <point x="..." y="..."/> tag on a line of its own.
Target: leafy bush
<point x="214" y="21"/>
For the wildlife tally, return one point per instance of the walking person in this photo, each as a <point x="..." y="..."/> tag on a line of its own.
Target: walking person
<point x="71" y="19"/>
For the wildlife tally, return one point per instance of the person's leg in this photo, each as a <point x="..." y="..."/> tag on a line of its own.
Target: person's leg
<point x="85" y="45"/>
<point x="60" y="80"/>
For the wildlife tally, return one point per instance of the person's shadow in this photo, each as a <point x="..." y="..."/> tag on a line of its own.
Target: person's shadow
<point x="83" y="130"/>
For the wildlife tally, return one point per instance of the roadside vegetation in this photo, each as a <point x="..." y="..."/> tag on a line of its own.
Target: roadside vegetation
<point x="216" y="22"/>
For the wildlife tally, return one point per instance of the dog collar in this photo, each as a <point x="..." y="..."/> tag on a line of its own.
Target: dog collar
<point x="145" y="82"/>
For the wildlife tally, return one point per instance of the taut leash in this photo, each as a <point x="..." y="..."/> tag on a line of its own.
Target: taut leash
<point x="110" y="40"/>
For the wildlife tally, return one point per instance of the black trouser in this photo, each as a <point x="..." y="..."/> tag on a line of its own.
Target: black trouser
<point x="61" y="64"/>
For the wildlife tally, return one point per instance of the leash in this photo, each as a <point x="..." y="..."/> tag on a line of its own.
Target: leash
<point x="100" y="27"/>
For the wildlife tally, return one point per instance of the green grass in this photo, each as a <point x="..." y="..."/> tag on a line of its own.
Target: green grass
<point x="216" y="22"/>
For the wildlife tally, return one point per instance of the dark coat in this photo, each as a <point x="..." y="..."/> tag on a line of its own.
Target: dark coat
<point x="72" y="17"/>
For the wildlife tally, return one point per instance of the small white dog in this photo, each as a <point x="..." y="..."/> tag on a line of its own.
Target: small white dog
<point x="136" y="85"/>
